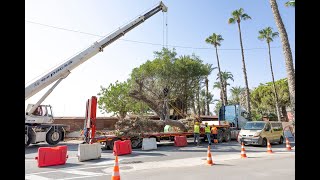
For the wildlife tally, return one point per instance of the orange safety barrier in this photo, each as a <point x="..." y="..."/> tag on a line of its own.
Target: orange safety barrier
<point x="52" y="156"/>
<point x="122" y="147"/>
<point x="180" y="141"/>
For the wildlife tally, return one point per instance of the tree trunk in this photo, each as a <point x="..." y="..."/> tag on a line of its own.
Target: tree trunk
<point x="245" y="74"/>
<point x="207" y="94"/>
<point x="284" y="113"/>
<point x="138" y="125"/>
<point x="287" y="53"/>
<point x="274" y="86"/>
<point x="223" y="100"/>
<point x="198" y="100"/>
<point x="193" y="105"/>
<point x="225" y="92"/>
<point x="204" y="108"/>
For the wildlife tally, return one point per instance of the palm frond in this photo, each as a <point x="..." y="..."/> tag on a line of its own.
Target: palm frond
<point x="231" y="21"/>
<point x="245" y="16"/>
<point x="290" y="3"/>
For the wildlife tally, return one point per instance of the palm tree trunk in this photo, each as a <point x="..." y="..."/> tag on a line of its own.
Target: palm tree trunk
<point x="193" y="105"/>
<point x="287" y="53"/>
<point x="198" y="101"/>
<point x="284" y="113"/>
<point x="207" y="95"/>
<point x="245" y="74"/>
<point x="220" y="78"/>
<point x="225" y="91"/>
<point x="274" y="85"/>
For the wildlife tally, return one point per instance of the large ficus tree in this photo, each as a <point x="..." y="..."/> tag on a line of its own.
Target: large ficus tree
<point x="180" y="75"/>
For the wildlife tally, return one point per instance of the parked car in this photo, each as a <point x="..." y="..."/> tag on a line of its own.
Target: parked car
<point x="258" y="132"/>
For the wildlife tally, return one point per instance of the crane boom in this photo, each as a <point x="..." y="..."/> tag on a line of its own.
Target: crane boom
<point x="64" y="69"/>
<point x="39" y="120"/>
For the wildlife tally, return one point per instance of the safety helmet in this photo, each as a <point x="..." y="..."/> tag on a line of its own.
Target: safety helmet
<point x="197" y="123"/>
<point x="206" y="123"/>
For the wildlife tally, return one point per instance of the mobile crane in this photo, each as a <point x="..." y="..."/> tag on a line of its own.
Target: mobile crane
<point x="39" y="119"/>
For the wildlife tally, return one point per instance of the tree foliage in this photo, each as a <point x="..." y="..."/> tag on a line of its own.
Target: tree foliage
<point x="236" y="93"/>
<point x="263" y="100"/>
<point x="181" y="75"/>
<point x="115" y="99"/>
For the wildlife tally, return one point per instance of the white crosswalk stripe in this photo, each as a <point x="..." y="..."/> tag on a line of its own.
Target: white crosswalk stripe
<point x="35" y="177"/>
<point x="85" y="173"/>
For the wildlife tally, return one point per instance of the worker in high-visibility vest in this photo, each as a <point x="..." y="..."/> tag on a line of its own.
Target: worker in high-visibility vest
<point x="196" y="133"/>
<point x="214" y="131"/>
<point x="208" y="132"/>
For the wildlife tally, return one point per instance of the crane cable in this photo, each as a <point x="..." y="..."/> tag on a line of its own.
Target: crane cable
<point x="165" y="30"/>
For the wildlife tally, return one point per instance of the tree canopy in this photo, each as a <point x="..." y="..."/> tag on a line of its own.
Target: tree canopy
<point x="263" y="100"/>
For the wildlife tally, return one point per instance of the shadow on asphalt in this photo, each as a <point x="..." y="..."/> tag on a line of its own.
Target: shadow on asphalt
<point x="67" y="165"/>
<point x="218" y="164"/>
<point x="93" y="161"/>
<point x="33" y="148"/>
<point x="134" y="154"/>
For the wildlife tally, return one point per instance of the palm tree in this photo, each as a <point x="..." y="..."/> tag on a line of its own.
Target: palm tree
<point x="290" y="3"/>
<point x="225" y="76"/>
<point x="237" y="16"/>
<point x="215" y="40"/>
<point x="287" y="53"/>
<point x="236" y="93"/>
<point x="268" y="35"/>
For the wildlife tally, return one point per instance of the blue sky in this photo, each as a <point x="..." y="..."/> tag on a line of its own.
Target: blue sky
<point x="189" y="24"/>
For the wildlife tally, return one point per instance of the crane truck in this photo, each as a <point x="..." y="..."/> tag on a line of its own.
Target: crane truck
<point x="39" y="119"/>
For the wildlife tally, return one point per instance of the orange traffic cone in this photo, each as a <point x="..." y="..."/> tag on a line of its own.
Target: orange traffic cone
<point x="269" y="147"/>
<point x="288" y="146"/>
<point x="116" y="173"/>
<point x="243" y="151"/>
<point x="209" y="158"/>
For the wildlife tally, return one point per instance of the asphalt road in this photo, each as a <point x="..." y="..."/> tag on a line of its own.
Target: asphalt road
<point x="169" y="162"/>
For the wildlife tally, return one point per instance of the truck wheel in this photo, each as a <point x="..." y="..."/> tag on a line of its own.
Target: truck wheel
<point x="220" y="135"/>
<point x="281" y="140"/>
<point x="112" y="143"/>
<point x="136" y="143"/>
<point x="27" y="137"/>
<point x="264" y="142"/>
<point x="53" y="137"/>
<point x="227" y="136"/>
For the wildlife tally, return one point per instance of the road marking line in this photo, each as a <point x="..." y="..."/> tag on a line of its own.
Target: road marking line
<point x="82" y="177"/>
<point x="36" y="177"/>
<point x="92" y="167"/>
<point x="86" y="173"/>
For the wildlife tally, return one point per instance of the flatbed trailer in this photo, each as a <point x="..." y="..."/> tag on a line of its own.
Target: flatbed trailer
<point x="136" y="141"/>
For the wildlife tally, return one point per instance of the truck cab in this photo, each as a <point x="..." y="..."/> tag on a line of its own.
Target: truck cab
<point x="43" y="114"/>
<point x="234" y="115"/>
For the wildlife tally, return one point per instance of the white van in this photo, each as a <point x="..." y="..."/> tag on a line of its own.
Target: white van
<point x="257" y="133"/>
